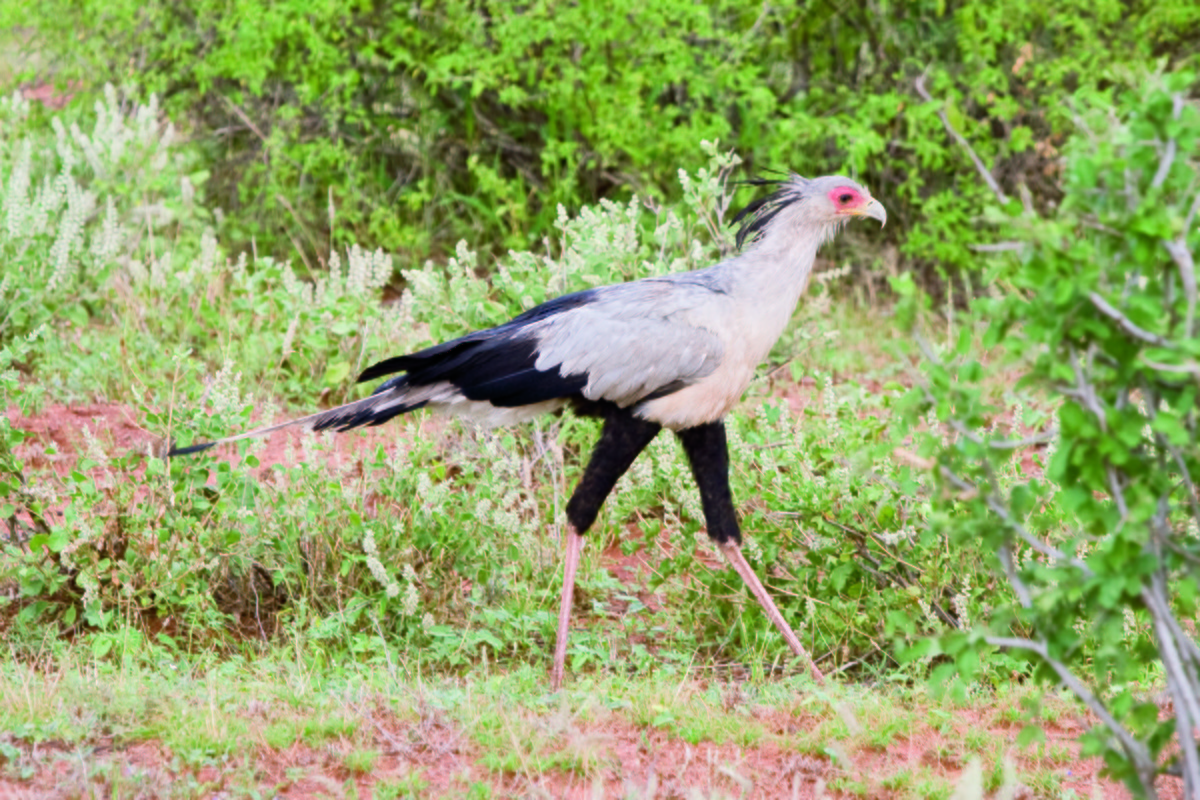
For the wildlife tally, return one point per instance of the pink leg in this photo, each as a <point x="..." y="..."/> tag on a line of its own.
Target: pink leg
<point x="574" y="548"/>
<point x="733" y="552"/>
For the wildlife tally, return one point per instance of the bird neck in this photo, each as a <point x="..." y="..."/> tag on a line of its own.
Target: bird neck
<point x="777" y="269"/>
<point x="768" y="281"/>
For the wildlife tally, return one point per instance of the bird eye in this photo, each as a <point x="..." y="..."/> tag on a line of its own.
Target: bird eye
<point x="845" y="198"/>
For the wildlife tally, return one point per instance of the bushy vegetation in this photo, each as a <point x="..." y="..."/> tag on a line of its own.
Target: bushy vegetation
<point x="1101" y="542"/>
<point x="411" y="128"/>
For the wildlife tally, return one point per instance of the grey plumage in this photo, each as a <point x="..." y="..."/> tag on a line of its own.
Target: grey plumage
<point x="678" y="349"/>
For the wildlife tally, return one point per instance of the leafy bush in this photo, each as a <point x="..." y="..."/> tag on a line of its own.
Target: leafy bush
<point x="1101" y="549"/>
<point x="409" y="130"/>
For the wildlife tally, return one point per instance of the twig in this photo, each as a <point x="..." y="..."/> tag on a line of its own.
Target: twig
<point x="1084" y="393"/>
<point x="1090" y="222"/>
<point x="1187" y="273"/>
<point x="1191" y="369"/>
<point x="1180" y="680"/>
<point x="1164" y="166"/>
<point x="1117" y="491"/>
<point x="1010" y="570"/>
<point x="1191" y="215"/>
<point x="998" y="247"/>
<point x="919" y="85"/>
<point x="1159" y="605"/>
<point x="312" y="242"/>
<point x="1002" y="444"/>
<point x="245" y="118"/>
<point x="1127" y="325"/>
<point x="1014" y="444"/>
<point x="998" y="508"/>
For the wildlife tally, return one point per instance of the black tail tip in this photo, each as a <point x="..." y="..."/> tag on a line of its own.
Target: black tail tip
<point x="187" y="451"/>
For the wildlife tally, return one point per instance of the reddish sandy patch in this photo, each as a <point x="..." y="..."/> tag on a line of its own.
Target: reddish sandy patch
<point x="609" y="757"/>
<point x="118" y="431"/>
<point x="50" y="97"/>
<point x="115" y="427"/>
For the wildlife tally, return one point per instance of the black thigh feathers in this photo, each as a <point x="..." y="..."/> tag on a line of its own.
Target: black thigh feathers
<point x="624" y="436"/>
<point x="708" y="453"/>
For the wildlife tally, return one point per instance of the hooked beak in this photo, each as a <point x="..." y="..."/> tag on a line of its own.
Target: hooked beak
<point x="874" y="210"/>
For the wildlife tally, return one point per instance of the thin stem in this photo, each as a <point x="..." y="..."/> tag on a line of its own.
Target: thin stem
<point x="1126" y="324"/>
<point x="983" y="171"/>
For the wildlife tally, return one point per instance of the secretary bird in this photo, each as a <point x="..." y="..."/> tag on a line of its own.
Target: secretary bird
<point x="675" y="352"/>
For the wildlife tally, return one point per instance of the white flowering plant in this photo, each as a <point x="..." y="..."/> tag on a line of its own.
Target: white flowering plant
<point x="94" y="194"/>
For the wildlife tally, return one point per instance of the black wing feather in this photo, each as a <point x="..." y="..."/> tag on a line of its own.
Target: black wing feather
<point x="496" y="365"/>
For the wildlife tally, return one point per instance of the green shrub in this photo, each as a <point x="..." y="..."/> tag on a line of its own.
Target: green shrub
<point x="413" y="128"/>
<point x="1101" y="548"/>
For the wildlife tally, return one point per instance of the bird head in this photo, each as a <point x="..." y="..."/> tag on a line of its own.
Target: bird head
<point x="846" y="199"/>
<point x="825" y="203"/>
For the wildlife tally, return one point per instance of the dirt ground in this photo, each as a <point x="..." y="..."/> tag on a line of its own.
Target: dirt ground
<point x="435" y="759"/>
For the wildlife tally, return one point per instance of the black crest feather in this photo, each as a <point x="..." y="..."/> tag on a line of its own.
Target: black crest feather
<point x="756" y="216"/>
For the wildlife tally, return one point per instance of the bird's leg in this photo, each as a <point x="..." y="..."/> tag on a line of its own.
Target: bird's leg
<point x="571" y="564"/>
<point x="733" y="552"/>
<point x="708" y="453"/>
<point x="623" y="437"/>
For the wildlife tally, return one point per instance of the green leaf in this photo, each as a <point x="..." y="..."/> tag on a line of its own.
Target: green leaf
<point x="336" y="373"/>
<point x="58" y="538"/>
<point x="1020" y="138"/>
<point x="102" y="644"/>
<point x="1030" y="734"/>
<point x="491" y="639"/>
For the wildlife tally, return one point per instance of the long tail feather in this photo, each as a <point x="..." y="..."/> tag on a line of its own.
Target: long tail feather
<point x="368" y="411"/>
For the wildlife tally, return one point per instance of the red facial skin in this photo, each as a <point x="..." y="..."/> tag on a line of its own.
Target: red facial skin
<point x="847" y="200"/>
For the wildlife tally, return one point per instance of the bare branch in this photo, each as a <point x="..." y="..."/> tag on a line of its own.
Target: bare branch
<point x="1187" y="273"/>
<point x="1127" y="325"/>
<point x="1181" y="679"/>
<point x="919" y="85"/>
<point x="1164" y="166"/>
<point x="998" y="247"/>
<point x="1118" y="493"/>
<point x="927" y="351"/>
<point x="1191" y="369"/>
<point x="1084" y="393"/>
<point x="998" y="508"/>
<point x="1191" y="215"/>
<point x="1090" y="221"/>
<point x="1010" y="570"/>
<point x="1028" y="441"/>
<point x="1158" y="606"/>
